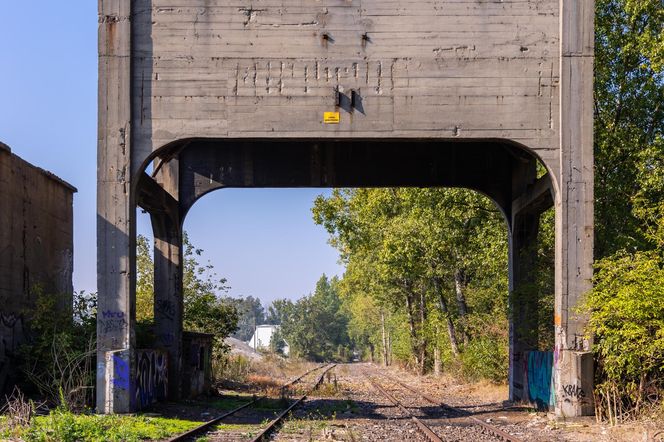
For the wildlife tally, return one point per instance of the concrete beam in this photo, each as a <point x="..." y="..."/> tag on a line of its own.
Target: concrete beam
<point x="538" y="197"/>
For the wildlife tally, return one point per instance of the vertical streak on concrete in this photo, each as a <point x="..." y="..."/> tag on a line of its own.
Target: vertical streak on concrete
<point x="574" y="209"/>
<point x="115" y="213"/>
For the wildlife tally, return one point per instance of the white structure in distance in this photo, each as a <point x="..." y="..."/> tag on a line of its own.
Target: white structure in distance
<point x="263" y="336"/>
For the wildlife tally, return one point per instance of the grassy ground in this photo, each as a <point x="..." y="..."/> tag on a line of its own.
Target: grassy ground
<point x="64" y="426"/>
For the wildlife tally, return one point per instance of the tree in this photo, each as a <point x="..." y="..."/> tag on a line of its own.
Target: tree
<point x="205" y="310"/>
<point x="412" y="250"/>
<point x="315" y="326"/>
<point x="629" y="115"/>
<point x="277" y="343"/>
<point x="624" y="306"/>
<point x="278" y="311"/>
<point x="251" y="313"/>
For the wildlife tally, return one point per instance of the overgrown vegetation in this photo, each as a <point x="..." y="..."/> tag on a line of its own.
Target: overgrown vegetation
<point x="62" y="425"/>
<point x="206" y="310"/>
<point x="425" y="274"/>
<point x="315" y="327"/>
<point x="625" y="306"/>
<point x="59" y="358"/>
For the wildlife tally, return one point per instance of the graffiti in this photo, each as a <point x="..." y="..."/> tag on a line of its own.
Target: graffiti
<point x="112" y="321"/>
<point x="109" y="314"/>
<point x="574" y="391"/>
<point x="152" y="377"/>
<point x="112" y="325"/>
<point x="120" y="373"/>
<point x="12" y="335"/>
<point x="540" y="380"/>
<point x="165" y="308"/>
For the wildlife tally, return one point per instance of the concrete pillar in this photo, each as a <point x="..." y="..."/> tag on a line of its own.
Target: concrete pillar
<point x="168" y="300"/>
<point x="116" y="237"/>
<point x="523" y="302"/>
<point x="573" y="370"/>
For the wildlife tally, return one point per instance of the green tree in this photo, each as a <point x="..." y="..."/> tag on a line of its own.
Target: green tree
<point x="412" y="251"/>
<point x="629" y="116"/>
<point x="251" y="313"/>
<point x="205" y="309"/>
<point x="625" y="305"/>
<point x="315" y="327"/>
<point x="277" y="343"/>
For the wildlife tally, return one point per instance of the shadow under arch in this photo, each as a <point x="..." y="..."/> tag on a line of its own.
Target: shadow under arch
<point x="500" y="169"/>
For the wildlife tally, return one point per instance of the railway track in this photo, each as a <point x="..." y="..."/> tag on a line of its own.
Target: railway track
<point x="274" y="424"/>
<point x="422" y="427"/>
<point x="433" y="433"/>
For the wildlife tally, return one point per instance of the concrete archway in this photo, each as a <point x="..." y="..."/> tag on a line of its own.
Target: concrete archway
<point x="413" y="106"/>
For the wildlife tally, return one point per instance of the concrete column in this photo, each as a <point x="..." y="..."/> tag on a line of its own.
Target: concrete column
<point x="116" y="237"/>
<point x="523" y="301"/>
<point x="168" y="300"/>
<point x="573" y="368"/>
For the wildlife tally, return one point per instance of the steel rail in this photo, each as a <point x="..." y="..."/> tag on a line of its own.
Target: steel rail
<point x="207" y="425"/>
<point x="424" y="429"/>
<point x="458" y="412"/>
<point x="276" y="422"/>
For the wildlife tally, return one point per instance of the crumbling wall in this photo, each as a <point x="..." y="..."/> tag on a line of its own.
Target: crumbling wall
<point x="36" y="249"/>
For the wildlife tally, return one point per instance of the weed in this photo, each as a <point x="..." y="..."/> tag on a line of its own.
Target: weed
<point x="64" y="426"/>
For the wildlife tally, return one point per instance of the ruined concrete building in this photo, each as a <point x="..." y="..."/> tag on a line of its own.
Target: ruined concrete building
<point x="36" y="248"/>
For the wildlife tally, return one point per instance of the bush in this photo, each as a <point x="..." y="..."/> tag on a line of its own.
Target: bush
<point x="231" y="367"/>
<point x="626" y="308"/>
<point x="58" y="360"/>
<point x="485" y="358"/>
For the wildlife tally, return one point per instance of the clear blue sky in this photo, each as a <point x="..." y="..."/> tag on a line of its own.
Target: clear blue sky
<point x="262" y="240"/>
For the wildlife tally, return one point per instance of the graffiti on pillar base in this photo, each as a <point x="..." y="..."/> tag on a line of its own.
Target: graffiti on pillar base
<point x="165" y="308"/>
<point x="574" y="391"/>
<point x="152" y="377"/>
<point x="120" y="373"/>
<point x="540" y="379"/>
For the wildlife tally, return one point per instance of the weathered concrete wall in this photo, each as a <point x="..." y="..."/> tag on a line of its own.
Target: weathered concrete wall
<point x="36" y="247"/>
<point x="466" y="69"/>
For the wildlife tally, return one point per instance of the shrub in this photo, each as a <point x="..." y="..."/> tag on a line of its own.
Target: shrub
<point x="58" y="359"/>
<point x="485" y="358"/>
<point x="626" y="308"/>
<point x="231" y="367"/>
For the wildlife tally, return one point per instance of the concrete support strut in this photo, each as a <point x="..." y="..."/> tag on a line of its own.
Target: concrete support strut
<point x="573" y="363"/>
<point x="116" y="238"/>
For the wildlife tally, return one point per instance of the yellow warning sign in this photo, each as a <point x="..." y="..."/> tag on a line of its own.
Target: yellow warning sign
<point x="331" y="117"/>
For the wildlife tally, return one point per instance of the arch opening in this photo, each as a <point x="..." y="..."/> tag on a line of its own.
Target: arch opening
<point x="504" y="171"/>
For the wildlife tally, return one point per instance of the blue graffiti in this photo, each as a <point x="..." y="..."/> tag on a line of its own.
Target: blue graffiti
<point x="540" y="380"/>
<point x="120" y="373"/>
